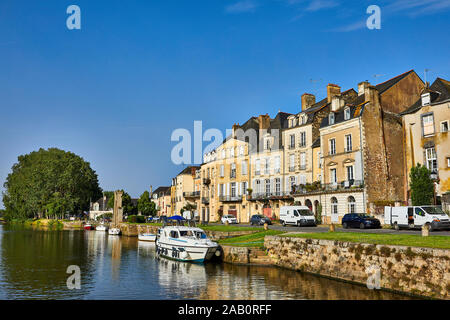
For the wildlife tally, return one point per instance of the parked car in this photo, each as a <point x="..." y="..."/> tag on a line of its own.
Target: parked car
<point x="230" y="218"/>
<point x="416" y="216"/>
<point x="360" y="220"/>
<point x="258" y="219"/>
<point x="156" y="219"/>
<point x="297" y="215"/>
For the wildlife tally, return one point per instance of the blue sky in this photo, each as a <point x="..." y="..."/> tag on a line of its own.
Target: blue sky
<point x="114" y="91"/>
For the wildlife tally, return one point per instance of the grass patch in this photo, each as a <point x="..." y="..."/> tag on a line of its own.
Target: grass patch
<point x="250" y="240"/>
<point x="440" y="242"/>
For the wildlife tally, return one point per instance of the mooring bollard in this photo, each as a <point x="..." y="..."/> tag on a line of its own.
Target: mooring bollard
<point x="266" y="226"/>
<point x="425" y="230"/>
<point x="332" y="227"/>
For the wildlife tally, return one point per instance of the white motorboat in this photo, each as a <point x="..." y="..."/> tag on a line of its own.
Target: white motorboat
<point x="101" y="227"/>
<point x="147" y="237"/>
<point x="189" y="244"/>
<point x="114" y="231"/>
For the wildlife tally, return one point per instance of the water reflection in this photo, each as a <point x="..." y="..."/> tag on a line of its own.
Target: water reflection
<point x="33" y="266"/>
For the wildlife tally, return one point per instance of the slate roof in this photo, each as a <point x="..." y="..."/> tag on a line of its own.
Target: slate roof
<point x="316" y="144"/>
<point x="439" y="92"/>
<point x="188" y="170"/>
<point x="160" y="191"/>
<point x="355" y="112"/>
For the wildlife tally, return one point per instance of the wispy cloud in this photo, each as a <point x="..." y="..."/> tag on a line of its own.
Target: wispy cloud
<point x="317" y="5"/>
<point x="351" y="27"/>
<point x="241" y="7"/>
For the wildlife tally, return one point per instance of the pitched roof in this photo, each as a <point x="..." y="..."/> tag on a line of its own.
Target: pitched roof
<point x="355" y="112"/>
<point x="439" y="92"/>
<point x="382" y="87"/>
<point x="162" y="190"/>
<point x="188" y="170"/>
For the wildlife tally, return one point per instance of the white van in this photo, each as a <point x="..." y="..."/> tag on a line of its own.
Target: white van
<point x="415" y="217"/>
<point x="297" y="215"/>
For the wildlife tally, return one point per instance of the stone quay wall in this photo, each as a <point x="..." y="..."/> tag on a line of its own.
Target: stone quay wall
<point x="412" y="270"/>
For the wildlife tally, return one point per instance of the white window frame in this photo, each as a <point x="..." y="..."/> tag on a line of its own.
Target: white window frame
<point x="222" y="170"/>
<point x="333" y="175"/>
<point x="348" y="143"/>
<point x="442" y="126"/>
<point x="331" y="118"/>
<point x="332" y="146"/>
<point x="303" y="139"/>
<point x="427" y="123"/>
<point x="431" y="158"/>
<point x="347" y="114"/>
<point x="244" y="168"/>
<point x="350" y="172"/>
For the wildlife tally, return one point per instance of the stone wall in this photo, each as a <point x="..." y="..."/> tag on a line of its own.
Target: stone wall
<point x="419" y="271"/>
<point x="245" y="255"/>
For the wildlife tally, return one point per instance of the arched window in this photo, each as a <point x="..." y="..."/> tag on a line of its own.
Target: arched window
<point x="351" y="204"/>
<point x="334" y="205"/>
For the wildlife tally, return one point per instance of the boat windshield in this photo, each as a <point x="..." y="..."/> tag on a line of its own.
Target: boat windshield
<point x="186" y="233"/>
<point x="434" y="210"/>
<point x="200" y="235"/>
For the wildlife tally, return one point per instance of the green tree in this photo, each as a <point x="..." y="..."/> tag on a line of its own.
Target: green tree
<point x="422" y="187"/>
<point x="49" y="183"/>
<point x="145" y="205"/>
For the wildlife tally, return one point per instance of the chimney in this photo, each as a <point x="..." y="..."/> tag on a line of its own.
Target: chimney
<point x="337" y="102"/>
<point x="193" y="171"/>
<point x="308" y="100"/>
<point x="235" y="127"/>
<point x="332" y="90"/>
<point x="362" y="87"/>
<point x="264" y="122"/>
<point x="151" y="192"/>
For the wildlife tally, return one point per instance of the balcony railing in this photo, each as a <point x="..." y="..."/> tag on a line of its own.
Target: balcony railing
<point x="205" y="200"/>
<point x="195" y="194"/>
<point x="233" y="174"/>
<point x="230" y="198"/>
<point x="329" y="187"/>
<point x="269" y="195"/>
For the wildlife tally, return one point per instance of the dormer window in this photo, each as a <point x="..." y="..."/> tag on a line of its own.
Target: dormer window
<point x="347" y="114"/>
<point x="426" y="99"/>
<point x="303" y="119"/>
<point x="331" y="118"/>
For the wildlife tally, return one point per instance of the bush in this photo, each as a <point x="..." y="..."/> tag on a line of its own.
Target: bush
<point x="136" y="219"/>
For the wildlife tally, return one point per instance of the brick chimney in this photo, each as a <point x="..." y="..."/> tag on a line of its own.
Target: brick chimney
<point x="362" y="87"/>
<point x="308" y="100"/>
<point x="332" y="90"/>
<point x="337" y="102"/>
<point x="234" y="128"/>
<point x="193" y="169"/>
<point x="264" y="121"/>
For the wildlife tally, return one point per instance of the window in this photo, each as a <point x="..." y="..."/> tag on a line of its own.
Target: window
<point x="302" y="139"/>
<point x="257" y="167"/>
<point x="431" y="159"/>
<point x="174" y="234"/>
<point x="350" y="173"/>
<point x="232" y="152"/>
<point x="258" y="186"/>
<point x="347" y="114"/>
<point x="334" y="205"/>
<point x="222" y="170"/>
<point x="292" y="145"/>
<point x="333" y="176"/>
<point x="267" y="187"/>
<point x="244" y="187"/>
<point x="332" y="146"/>
<point x="267" y="144"/>
<point x="351" y="204"/>
<point x="348" y="143"/>
<point x="223" y="154"/>
<point x="233" y="189"/>
<point x="233" y="171"/>
<point x="302" y="161"/>
<point x="244" y="168"/>
<point x="266" y="166"/>
<point x="292" y="183"/>
<point x="448" y="162"/>
<point x="277" y="164"/>
<point x="428" y="124"/>
<point x="292" y="162"/>
<point x="278" y="186"/>
<point x="303" y="119"/>
<point x="221" y="189"/>
<point x="241" y="150"/>
<point x="331" y="118"/>
<point x="444" y="126"/>
<point x="426" y="99"/>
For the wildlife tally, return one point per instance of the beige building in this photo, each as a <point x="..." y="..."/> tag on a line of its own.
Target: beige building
<point x="184" y="186"/>
<point x="162" y="199"/>
<point x="426" y="129"/>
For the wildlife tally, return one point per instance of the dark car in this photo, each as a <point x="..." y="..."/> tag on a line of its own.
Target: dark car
<point x="360" y="220"/>
<point x="258" y="219"/>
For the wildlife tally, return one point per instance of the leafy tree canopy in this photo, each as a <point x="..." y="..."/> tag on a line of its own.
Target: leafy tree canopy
<point x="422" y="187"/>
<point x="145" y="205"/>
<point x="49" y="183"/>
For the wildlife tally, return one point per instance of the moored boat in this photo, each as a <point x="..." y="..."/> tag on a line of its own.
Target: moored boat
<point x="101" y="227"/>
<point x="88" y="226"/>
<point x="147" y="237"/>
<point x="189" y="244"/>
<point x="114" y="231"/>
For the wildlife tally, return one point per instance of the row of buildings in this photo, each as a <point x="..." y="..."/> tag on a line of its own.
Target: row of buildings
<point x="349" y="152"/>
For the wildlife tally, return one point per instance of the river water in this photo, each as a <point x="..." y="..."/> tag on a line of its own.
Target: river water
<point x="33" y="265"/>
